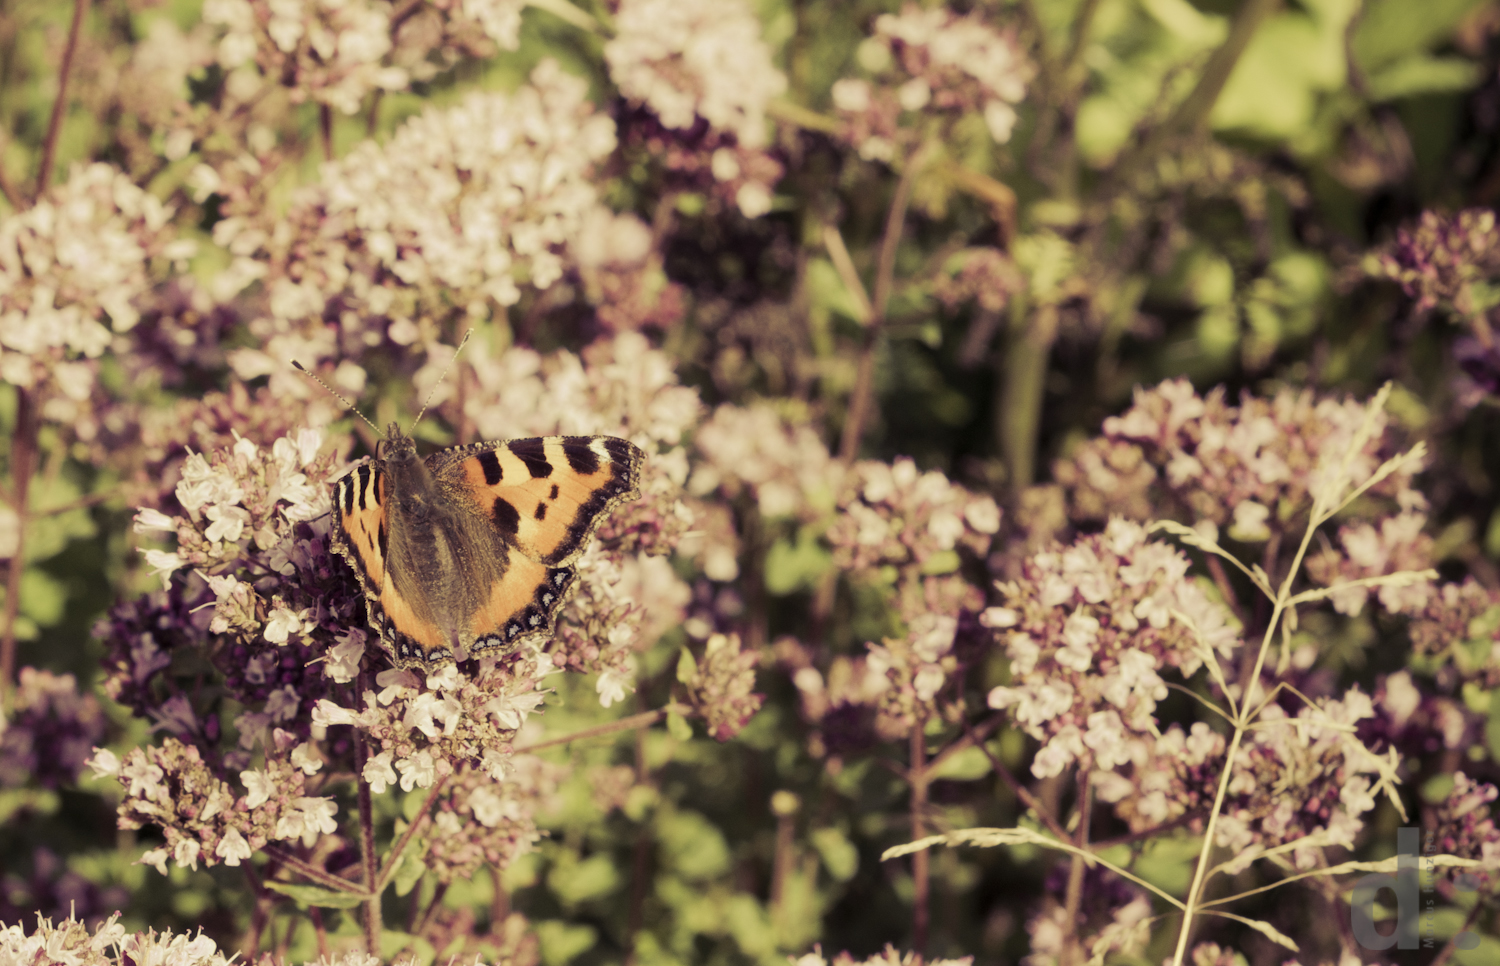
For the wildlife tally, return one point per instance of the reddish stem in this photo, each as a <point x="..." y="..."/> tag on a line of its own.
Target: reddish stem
<point x="22" y="466"/>
<point x="59" y="106"/>
<point x="921" y="883"/>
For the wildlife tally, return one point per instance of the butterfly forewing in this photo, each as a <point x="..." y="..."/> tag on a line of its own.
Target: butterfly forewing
<point x="361" y="534"/>
<point x="545" y="495"/>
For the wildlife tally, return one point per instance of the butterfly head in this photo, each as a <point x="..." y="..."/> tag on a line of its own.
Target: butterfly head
<point x="397" y="447"/>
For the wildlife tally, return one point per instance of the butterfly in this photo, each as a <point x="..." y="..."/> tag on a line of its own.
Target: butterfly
<point x="470" y="551"/>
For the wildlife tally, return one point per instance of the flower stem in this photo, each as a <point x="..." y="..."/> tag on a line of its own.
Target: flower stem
<point x="22" y="465"/>
<point x="60" y="106"/>
<point x="367" y="846"/>
<point x="643" y="720"/>
<point x="921" y="880"/>
<point x="860" y="401"/>
<point x="1247" y="711"/>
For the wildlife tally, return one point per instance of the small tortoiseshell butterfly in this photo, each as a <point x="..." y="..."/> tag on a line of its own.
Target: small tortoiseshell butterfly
<point x="471" y="548"/>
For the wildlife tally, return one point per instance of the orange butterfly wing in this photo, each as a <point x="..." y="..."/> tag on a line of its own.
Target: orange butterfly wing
<point x="547" y="496"/>
<point x="544" y="498"/>
<point x="361" y="537"/>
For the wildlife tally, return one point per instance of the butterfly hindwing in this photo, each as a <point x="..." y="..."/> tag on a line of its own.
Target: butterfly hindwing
<point x="523" y="605"/>
<point x="545" y="495"/>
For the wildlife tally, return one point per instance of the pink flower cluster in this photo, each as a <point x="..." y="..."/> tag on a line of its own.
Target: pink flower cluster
<point x="461" y="207"/>
<point x="1089" y="630"/>
<point x="702" y="71"/>
<point x="110" y="944"/>
<point x="479" y="821"/>
<point x="1251" y="467"/>
<point x="1303" y="781"/>
<point x="907" y="532"/>
<point x="889" y="956"/>
<point x="1463" y="824"/>
<point x="49" y="730"/>
<point x="926" y="64"/>
<point x="337" y="52"/>
<point x="1398" y="543"/>
<point x="720" y="686"/>
<point x="75" y="272"/>
<point x="1441" y="261"/>
<point x="201" y="816"/>
<point x="1117" y="919"/>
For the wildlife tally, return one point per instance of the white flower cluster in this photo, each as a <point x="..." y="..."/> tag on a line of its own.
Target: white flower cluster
<point x="782" y="463"/>
<point x="73" y="943"/>
<point x="461" y="207"/>
<point x="929" y="64"/>
<point x="214" y="496"/>
<point x="946" y="44"/>
<point x="72" y="269"/>
<point x="686" y="59"/>
<point x="1089" y="628"/>
<point x="620" y="386"/>
<point x="334" y="48"/>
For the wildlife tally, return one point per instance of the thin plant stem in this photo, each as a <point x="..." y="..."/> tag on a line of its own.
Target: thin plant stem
<point x="1451" y="946"/>
<point x="250" y="945"/>
<point x="325" y="131"/>
<point x="861" y="399"/>
<point x="640" y="862"/>
<point x="316" y="915"/>
<point x="367" y="846"/>
<point x="1074" y="895"/>
<point x="8" y="188"/>
<point x="1022" y="793"/>
<point x="60" y="106"/>
<point x="1242" y="723"/>
<point x="372" y="117"/>
<point x="393" y="857"/>
<point x="1019" y="413"/>
<point x="311" y="872"/>
<point x="643" y="720"/>
<point x="22" y="465"/>
<point x="920" y="873"/>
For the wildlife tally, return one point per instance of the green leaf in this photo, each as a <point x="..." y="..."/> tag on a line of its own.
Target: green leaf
<point x="839" y="855"/>
<point x="827" y="290"/>
<point x="1389" y="29"/>
<point x="39" y="802"/>
<point x="419" y="952"/>
<point x="687" y="666"/>
<point x="795" y="565"/>
<point x="966" y="765"/>
<point x="692" y="845"/>
<point x="1293" y="57"/>
<point x="311" y="895"/>
<point x="1492" y="726"/>
<point x="562" y="942"/>
<point x="678" y="727"/>
<point x="942" y="562"/>
<point x="1420" y="74"/>
<point x="408" y="873"/>
<point x="43" y="597"/>
<point x="576" y="881"/>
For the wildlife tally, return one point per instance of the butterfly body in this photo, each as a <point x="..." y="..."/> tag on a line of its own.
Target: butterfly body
<point x="468" y="552"/>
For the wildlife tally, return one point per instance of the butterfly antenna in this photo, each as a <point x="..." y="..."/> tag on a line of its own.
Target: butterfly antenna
<point x="435" y="385"/>
<point x="332" y="392"/>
